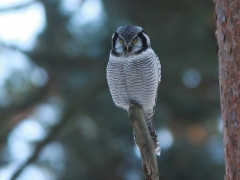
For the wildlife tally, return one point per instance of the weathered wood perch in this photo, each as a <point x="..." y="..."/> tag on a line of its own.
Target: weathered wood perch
<point x="144" y="141"/>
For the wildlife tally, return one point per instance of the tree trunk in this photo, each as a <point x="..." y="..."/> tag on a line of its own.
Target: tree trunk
<point x="227" y="14"/>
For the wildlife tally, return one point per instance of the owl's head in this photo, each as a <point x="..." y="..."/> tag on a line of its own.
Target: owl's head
<point x="129" y="40"/>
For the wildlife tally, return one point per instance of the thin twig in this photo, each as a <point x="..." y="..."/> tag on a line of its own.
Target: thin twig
<point x="83" y="99"/>
<point x="144" y="141"/>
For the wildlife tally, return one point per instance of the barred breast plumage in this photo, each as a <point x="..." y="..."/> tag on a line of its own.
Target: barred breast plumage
<point x="134" y="78"/>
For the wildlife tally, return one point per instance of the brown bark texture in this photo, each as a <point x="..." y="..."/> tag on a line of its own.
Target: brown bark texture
<point x="227" y="14"/>
<point x="144" y="142"/>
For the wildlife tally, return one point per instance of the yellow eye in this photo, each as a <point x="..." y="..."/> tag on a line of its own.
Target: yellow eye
<point x="121" y="41"/>
<point x="134" y="41"/>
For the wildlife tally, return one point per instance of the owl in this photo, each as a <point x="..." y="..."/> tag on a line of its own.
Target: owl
<point x="134" y="73"/>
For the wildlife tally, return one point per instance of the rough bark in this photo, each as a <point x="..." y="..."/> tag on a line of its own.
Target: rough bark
<point x="144" y="142"/>
<point x="227" y="14"/>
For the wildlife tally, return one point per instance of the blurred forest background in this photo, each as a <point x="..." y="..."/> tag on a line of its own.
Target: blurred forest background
<point x="57" y="118"/>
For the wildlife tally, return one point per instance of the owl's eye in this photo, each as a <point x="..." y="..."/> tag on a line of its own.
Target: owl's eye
<point x="134" y="41"/>
<point x="121" y="41"/>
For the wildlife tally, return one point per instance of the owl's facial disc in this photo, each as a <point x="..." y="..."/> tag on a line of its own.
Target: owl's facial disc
<point x="126" y="43"/>
<point x="130" y="45"/>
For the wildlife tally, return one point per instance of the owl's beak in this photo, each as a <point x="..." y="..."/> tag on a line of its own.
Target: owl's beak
<point x="127" y="47"/>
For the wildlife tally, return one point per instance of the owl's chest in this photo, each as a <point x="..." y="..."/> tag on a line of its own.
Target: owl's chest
<point x="137" y="71"/>
<point x="137" y="79"/>
<point x="133" y="79"/>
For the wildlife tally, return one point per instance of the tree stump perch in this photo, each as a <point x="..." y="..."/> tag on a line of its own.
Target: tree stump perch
<point x="144" y="141"/>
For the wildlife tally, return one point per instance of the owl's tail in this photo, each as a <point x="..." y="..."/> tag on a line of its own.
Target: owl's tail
<point x="151" y="128"/>
<point x="149" y="120"/>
